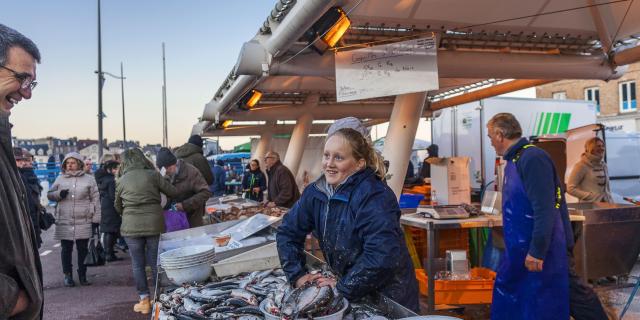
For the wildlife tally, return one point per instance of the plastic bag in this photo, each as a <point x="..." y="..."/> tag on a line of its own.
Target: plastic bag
<point x="175" y="220"/>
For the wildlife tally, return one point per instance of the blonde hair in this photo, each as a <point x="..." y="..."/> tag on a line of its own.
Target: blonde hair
<point x="591" y="143"/>
<point x="362" y="149"/>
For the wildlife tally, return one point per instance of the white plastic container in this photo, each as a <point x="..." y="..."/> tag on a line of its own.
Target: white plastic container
<point x="199" y="272"/>
<point x="261" y="258"/>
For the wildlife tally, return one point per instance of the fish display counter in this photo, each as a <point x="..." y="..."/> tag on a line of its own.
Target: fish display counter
<point x="263" y="293"/>
<point x="232" y="207"/>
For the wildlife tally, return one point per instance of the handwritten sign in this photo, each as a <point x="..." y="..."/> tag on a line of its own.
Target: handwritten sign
<point x="387" y="70"/>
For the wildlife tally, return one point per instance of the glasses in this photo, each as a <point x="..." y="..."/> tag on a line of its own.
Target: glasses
<point x="25" y="79"/>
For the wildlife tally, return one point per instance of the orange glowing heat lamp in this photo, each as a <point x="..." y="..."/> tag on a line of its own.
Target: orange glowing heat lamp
<point x="250" y="99"/>
<point x="226" y="123"/>
<point x="328" y="30"/>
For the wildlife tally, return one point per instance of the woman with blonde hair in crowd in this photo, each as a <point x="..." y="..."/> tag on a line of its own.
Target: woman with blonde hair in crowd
<point x="77" y="214"/>
<point x="589" y="179"/>
<point x="356" y="219"/>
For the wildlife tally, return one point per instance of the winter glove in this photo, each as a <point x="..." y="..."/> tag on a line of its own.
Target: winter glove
<point x="64" y="193"/>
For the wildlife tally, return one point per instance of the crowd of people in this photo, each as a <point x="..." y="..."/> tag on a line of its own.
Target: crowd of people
<point x="350" y="210"/>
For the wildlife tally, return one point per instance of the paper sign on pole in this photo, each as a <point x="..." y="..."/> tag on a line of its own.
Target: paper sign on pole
<point x="387" y="70"/>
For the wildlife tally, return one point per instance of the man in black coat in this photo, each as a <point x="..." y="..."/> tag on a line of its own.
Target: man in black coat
<point x="24" y="161"/>
<point x="21" y="295"/>
<point x="110" y="220"/>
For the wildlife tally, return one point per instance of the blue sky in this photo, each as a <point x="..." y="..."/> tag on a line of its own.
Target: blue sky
<point x="202" y="40"/>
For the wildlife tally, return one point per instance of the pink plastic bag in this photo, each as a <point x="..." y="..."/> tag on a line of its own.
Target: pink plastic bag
<point x="175" y="220"/>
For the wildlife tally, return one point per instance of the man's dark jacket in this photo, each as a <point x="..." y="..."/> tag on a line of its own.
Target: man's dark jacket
<point x="282" y="188"/>
<point x="20" y="267"/>
<point x="32" y="185"/>
<point x="193" y="155"/>
<point x="110" y="219"/>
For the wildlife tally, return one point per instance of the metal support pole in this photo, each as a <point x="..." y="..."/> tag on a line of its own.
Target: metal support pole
<point x="165" y="133"/>
<point x="299" y="136"/>
<point x="431" y="245"/>
<point x="100" y="142"/>
<point x="124" y="126"/>
<point x="264" y="144"/>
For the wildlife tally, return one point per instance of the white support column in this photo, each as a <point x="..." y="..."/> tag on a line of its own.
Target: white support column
<point x="299" y="136"/>
<point x="398" y="143"/>
<point x="264" y="144"/>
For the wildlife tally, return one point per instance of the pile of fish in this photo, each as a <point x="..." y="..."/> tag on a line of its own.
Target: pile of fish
<point x="240" y="297"/>
<point x="237" y="213"/>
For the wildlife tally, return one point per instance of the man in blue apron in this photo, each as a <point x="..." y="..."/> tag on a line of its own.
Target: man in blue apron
<point x="533" y="277"/>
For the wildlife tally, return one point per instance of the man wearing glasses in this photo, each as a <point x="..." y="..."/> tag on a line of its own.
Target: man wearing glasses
<point x="21" y="294"/>
<point x="282" y="189"/>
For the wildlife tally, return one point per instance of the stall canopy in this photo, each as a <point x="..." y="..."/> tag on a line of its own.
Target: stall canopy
<point x="479" y="44"/>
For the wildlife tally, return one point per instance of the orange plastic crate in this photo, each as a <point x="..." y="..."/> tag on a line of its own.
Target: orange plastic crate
<point x="449" y="239"/>
<point x="461" y="291"/>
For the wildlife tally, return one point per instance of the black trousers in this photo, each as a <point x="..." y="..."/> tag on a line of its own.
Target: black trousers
<point x="109" y="242"/>
<point x="67" y="253"/>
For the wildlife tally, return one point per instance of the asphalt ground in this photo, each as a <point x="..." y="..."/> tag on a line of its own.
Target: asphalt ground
<point x="111" y="295"/>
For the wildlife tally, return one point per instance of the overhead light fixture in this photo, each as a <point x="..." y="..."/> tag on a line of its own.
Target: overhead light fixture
<point x="226" y="124"/>
<point x="328" y="30"/>
<point x="250" y="99"/>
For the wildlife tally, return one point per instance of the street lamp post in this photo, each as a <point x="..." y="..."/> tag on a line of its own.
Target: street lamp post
<point x="100" y="82"/>
<point x="121" y="78"/>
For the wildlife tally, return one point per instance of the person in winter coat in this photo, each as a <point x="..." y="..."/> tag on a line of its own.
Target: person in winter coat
<point x="111" y="220"/>
<point x="24" y="161"/>
<point x="21" y="295"/>
<point x="425" y="170"/>
<point x="138" y="200"/>
<point x="192" y="189"/>
<point x="282" y="188"/>
<point x="191" y="152"/>
<point x="219" y="179"/>
<point x="254" y="182"/>
<point x="589" y="179"/>
<point x="78" y="208"/>
<point x="356" y="219"/>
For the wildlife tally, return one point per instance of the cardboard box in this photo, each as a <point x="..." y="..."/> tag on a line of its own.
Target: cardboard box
<point x="450" y="181"/>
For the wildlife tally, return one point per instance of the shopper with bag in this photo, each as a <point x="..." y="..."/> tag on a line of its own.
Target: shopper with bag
<point x="137" y="199"/>
<point x="77" y="197"/>
<point x="193" y="190"/>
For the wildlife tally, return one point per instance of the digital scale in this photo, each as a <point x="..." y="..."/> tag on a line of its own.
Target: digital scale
<point x="444" y="212"/>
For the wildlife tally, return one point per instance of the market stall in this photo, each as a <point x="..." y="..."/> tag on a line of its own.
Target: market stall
<point x="433" y="227"/>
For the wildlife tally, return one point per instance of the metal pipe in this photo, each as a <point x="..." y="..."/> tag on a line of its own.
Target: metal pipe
<point x="479" y="65"/>
<point x="228" y="97"/>
<point x="100" y="82"/>
<point x="124" y="126"/>
<point x="499" y="89"/>
<point x="603" y="32"/>
<point x="301" y="17"/>
<point x="322" y="112"/>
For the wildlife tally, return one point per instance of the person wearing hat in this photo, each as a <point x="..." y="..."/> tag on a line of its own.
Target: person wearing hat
<point x="219" y="178"/>
<point x="24" y="161"/>
<point x="191" y="152"/>
<point x="138" y="200"/>
<point x="193" y="190"/>
<point x="78" y="208"/>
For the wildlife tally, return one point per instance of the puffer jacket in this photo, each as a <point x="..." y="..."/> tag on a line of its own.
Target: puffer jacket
<point x="111" y="219"/>
<point x="193" y="192"/>
<point x="137" y="198"/>
<point x="358" y="228"/>
<point x="20" y="268"/>
<point x="75" y="213"/>
<point x="193" y="155"/>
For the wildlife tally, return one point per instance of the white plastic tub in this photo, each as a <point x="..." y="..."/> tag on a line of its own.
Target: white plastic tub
<point x="336" y="316"/>
<point x="261" y="258"/>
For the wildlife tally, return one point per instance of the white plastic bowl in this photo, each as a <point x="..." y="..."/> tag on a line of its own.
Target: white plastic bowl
<point x="336" y="316"/>
<point x="207" y="256"/>
<point x="186" y="263"/>
<point x="186" y="252"/>
<point x="199" y="272"/>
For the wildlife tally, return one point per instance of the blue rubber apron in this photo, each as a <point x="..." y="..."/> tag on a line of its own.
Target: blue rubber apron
<point x="518" y="293"/>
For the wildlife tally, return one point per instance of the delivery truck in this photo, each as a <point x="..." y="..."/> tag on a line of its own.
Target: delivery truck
<point x="461" y="131"/>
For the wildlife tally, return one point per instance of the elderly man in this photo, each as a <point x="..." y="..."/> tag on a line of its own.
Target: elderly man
<point x="534" y="276"/>
<point x="21" y="294"/>
<point x="192" y="187"/>
<point x="282" y="188"/>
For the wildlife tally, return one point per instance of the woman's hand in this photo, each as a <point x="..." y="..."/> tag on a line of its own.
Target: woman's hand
<point x="307" y="278"/>
<point x="326" y="282"/>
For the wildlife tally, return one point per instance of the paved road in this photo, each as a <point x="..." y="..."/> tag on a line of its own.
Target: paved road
<point x="111" y="295"/>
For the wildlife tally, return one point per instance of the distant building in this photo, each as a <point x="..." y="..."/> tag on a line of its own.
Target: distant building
<point x="616" y="100"/>
<point x="92" y="152"/>
<point x="129" y="144"/>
